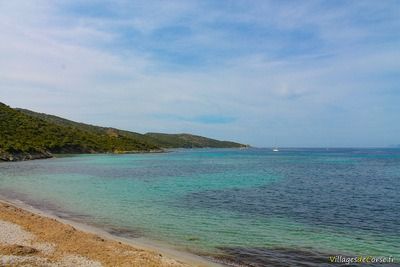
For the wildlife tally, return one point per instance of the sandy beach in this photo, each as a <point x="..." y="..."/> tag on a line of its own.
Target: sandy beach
<point x="31" y="239"/>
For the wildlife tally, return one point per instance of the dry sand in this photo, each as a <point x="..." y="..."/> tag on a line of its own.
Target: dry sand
<point x="29" y="239"/>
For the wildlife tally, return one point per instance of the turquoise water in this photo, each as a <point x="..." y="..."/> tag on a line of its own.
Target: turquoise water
<point x="250" y="206"/>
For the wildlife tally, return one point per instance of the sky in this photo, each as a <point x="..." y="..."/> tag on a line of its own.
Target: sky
<point x="266" y="73"/>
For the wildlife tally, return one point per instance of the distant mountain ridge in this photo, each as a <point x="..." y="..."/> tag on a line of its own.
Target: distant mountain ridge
<point x="25" y="134"/>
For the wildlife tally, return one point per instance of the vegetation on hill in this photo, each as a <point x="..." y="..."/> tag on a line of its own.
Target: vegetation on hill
<point x="157" y="139"/>
<point x="108" y="131"/>
<point x="189" y="141"/>
<point x="22" y="135"/>
<point x="25" y="134"/>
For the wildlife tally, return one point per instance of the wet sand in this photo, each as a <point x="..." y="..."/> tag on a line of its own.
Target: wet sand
<point x="30" y="238"/>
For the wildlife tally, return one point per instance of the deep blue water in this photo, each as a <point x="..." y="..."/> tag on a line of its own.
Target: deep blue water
<point x="253" y="206"/>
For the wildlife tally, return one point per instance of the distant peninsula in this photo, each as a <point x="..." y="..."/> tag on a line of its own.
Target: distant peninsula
<point x="26" y="135"/>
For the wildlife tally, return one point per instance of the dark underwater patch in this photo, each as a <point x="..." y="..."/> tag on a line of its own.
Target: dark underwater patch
<point x="280" y="257"/>
<point x="318" y="194"/>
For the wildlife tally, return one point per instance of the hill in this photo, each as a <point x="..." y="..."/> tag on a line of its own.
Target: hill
<point x="25" y="134"/>
<point x="160" y="140"/>
<point x="189" y="141"/>
<point x="90" y="128"/>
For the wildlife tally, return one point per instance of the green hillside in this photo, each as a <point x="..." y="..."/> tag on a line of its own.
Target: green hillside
<point x="90" y="128"/>
<point x="189" y="141"/>
<point x="25" y="134"/>
<point x="158" y="139"/>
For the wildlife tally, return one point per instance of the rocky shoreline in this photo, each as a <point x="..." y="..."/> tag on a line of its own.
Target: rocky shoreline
<point x="21" y="156"/>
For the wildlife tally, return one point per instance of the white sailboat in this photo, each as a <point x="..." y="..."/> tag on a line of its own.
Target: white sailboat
<point x="275" y="148"/>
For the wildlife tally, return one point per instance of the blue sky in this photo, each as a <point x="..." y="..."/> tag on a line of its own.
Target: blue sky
<point x="285" y="73"/>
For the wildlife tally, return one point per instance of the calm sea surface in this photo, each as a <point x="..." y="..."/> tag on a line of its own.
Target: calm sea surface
<point x="255" y="207"/>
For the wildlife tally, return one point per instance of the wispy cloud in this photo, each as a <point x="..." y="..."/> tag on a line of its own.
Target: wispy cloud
<point x="317" y="73"/>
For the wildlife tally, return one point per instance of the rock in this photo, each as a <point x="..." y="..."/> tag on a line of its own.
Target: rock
<point x="20" y="156"/>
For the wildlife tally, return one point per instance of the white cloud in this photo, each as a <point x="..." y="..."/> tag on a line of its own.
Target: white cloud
<point x="73" y="66"/>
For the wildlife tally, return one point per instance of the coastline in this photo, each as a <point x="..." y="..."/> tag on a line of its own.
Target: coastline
<point x="67" y="243"/>
<point x="16" y="157"/>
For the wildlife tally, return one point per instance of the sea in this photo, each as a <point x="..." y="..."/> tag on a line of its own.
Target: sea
<point x="238" y="207"/>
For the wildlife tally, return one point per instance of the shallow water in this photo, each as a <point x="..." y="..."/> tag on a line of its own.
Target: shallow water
<point x="254" y="206"/>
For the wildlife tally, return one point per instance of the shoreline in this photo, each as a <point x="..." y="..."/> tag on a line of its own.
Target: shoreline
<point x="7" y="157"/>
<point x="151" y="253"/>
<point x="25" y="156"/>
